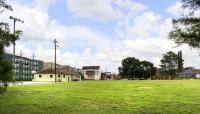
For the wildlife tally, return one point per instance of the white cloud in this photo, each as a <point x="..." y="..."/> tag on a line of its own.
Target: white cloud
<point x="44" y="4"/>
<point x="35" y="21"/>
<point x="177" y="10"/>
<point x="132" y="6"/>
<point x="94" y="9"/>
<point x="104" y="10"/>
<point x="144" y="25"/>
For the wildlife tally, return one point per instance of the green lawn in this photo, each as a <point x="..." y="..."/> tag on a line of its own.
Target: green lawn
<point x="104" y="97"/>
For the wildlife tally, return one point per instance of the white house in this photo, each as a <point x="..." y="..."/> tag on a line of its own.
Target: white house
<point x="188" y="72"/>
<point x="198" y="73"/>
<point x="91" y="72"/>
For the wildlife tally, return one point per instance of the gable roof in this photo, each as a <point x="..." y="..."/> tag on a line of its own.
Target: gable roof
<point x="58" y="71"/>
<point x="90" y="67"/>
<point x="188" y="71"/>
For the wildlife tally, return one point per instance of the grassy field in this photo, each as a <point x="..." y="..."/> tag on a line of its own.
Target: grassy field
<point x="104" y="97"/>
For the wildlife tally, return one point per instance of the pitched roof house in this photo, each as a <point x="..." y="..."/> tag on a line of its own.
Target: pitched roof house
<point x="197" y="73"/>
<point x="110" y="76"/>
<point x="48" y="75"/>
<point x="91" y="72"/>
<point x="188" y="72"/>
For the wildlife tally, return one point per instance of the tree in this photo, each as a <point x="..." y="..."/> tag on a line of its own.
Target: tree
<point x="186" y="30"/>
<point x="169" y="64"/>
<point x="148" y="69"/>
<point x="134" y="68"/>
<point x="4" y="5"/>
<point x="130" y="67"/>
<point x="180" y="62"/>
<point x="6" y="72"/>
<point x="6" y="39"/>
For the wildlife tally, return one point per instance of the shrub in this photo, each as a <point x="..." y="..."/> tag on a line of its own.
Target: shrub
<point x="6" y="72"/>
<point x="75" y="80"/>
<point x="2" y="90"/>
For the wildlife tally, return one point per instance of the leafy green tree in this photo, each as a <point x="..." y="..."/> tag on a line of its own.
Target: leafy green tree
<point x="180" y="62"/>
<point x="6" y="72"/>
<point x="148" y="69"/>
<point x="134" y="68"/>
<point x="130" y="67"/>
<point x="186" y="29"/>
<point x="169" y="64"/>
<point x="6" y="39"/>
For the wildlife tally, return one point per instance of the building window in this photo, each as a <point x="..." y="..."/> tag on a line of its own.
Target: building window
<point x="64" y="76"/>
<point x="58" y="76"/>
<point x="40" y="76"/>
<point x="51" y="76"/>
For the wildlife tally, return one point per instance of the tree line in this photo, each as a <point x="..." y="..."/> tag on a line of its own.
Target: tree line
<point x="133" y="68"/>
<point x="170" y="65"/>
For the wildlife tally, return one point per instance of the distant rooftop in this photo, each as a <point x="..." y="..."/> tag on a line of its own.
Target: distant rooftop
<point x="90" y="67"/>
<point x="17" y="56"/>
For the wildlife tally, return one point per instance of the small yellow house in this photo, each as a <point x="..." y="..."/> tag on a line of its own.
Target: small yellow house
<point x="48" y="75"/>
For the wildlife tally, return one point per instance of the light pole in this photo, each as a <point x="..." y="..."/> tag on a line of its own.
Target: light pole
<point x="14" y="20"/>
<point x="55" y="43"/>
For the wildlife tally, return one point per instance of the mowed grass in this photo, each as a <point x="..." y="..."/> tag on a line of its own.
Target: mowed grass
<point x="104" y="97"/>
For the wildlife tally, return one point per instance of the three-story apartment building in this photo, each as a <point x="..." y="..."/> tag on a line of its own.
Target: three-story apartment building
<point x="24" y="67"/>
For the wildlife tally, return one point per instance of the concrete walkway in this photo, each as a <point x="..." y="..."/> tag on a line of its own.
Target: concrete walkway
<point x="30" y="83"/>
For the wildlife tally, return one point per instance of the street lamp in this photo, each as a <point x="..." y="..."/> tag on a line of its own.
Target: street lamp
<point x="56" y="45"/>
<point x="15" y="20"/>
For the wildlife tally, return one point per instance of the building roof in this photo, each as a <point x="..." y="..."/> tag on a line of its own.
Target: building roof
<point x="90" y="67"/>
<point x="188" y="71"/>
<point x="17" y="56"/>
<point x="58" y="71"/>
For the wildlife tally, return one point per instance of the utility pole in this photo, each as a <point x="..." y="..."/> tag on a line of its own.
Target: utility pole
<point x="32" y="68"/>
<point x="33" y="57"/>
<point x="180" y="63"/>
<point x="55" y="43"/>
<point x="32" y="64"/>
<point x="21" y="66"/>
<point x="21" y="53"/>
<point x="14" y="20"/>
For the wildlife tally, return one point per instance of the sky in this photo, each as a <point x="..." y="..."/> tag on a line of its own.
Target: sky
<point x="97" y="32"/>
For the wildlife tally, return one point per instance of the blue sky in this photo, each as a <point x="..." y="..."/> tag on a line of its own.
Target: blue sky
<point x="60" y="12"/>
<point x="98" y="32"/>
